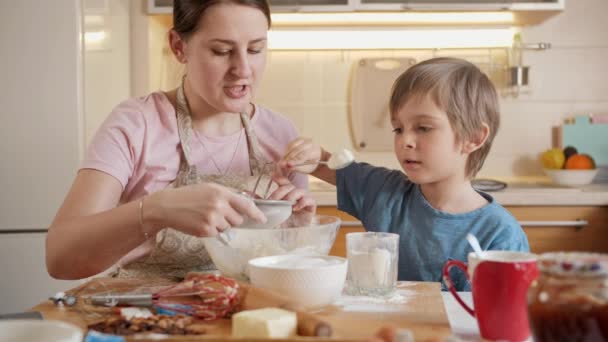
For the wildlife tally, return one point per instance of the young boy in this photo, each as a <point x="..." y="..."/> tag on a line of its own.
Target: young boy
<point x="444" y="114"/>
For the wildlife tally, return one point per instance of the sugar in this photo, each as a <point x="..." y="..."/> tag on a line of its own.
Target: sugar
<point x="340" y="159"/>
<point x="371" y="270"/>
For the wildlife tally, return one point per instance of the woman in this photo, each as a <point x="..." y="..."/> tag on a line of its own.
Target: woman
<point x="175" y="159"/>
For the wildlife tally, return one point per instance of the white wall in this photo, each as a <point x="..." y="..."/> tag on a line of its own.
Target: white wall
<point x="107" y="69"/>
<point x="312" y="89"/>
<point x="40" y="137"/>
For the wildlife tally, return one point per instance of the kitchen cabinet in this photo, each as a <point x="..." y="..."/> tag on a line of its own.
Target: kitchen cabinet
<point x="40" y="135"/>
<point x="165" y="6"/>
<point x="458" y="5"/>
<point x="25" y="281"/>
<point x="549" y="228"/>
<point x="564" y="228"/>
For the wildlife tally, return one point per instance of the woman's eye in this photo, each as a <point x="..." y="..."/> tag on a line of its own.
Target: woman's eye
<point x="397" y="130"/>
<point x="254" y="51"/>
<point x="424" y="128"/>
<point x="221" y="52"/>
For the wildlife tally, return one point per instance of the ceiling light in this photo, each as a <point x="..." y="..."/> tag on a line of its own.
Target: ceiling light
<point x="391" y="18"/>
<point x="389" y="39"/>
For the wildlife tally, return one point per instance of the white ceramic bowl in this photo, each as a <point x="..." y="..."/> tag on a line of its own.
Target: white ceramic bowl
<point x="276" y="212"/>
<point x="571" y="177"/>
<point x="39" y="331"/>
<point x="310" y="281"/>
<point x="317" y="236"/>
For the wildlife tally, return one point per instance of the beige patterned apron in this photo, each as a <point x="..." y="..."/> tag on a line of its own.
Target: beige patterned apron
<point x="176" y="253"/>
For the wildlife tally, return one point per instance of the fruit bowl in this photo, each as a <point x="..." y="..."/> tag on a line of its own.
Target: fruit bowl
<point x="571" y="177"/>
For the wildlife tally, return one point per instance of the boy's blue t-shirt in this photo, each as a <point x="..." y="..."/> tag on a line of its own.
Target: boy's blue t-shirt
<point x="386" y="201"/>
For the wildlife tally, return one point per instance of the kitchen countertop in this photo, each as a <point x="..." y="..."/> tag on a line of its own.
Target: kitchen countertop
<point x="519" y="192"/>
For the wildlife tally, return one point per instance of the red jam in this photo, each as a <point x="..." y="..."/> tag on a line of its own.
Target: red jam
<point x="569" y="300"/>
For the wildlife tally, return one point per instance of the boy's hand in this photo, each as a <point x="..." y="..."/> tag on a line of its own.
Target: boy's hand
<point x="301" y="151"/>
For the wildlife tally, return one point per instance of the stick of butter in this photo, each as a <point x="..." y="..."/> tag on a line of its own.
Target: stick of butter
<point x="267" y="322"/>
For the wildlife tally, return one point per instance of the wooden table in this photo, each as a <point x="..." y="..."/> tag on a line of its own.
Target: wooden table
<point x="418" y="307"/>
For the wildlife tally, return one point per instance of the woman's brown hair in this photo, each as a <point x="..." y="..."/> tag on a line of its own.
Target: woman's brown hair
<point x="187" y="13"/>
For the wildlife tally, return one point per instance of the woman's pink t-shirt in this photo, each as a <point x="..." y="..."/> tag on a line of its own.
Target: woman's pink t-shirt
<point x="138" y="144"/>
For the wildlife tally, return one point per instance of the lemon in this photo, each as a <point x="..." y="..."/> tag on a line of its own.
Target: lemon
<point x="553" y="158"/>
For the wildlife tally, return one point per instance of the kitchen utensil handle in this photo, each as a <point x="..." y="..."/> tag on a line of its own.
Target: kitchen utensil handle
<point x="310" y="162"/>
<point x="122" y="299"/>
<point x="310" y="325"/>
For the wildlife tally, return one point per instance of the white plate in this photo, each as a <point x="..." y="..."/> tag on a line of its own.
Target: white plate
<point x="39" y="331"/>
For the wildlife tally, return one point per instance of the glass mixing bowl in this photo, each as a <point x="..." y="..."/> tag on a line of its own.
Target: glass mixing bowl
<point x="314" y="237"/>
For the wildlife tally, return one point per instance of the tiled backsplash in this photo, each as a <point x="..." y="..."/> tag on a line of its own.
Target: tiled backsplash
<point x="311" y="88"/>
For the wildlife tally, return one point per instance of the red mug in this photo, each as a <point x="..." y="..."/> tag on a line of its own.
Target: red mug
<point x="499" y="283"/>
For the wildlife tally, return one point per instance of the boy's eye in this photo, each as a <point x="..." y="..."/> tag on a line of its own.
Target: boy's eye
<point x="424" y="129"/>
<point x="254" y="51"/>
<point x="397" y="130"/>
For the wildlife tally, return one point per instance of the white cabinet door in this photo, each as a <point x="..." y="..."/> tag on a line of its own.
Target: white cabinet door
<point x="25" y="281"/>
<point x="40" y="137"/>
<point x="41" y="108"/>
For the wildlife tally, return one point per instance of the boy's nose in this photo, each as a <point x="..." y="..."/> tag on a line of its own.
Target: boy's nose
<point x="407" y="142"/>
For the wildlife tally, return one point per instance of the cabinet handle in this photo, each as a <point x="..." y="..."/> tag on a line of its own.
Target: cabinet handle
<point x="351" y="224"/>
<point x="575" y="223"/>
<point x="288" y="8"/>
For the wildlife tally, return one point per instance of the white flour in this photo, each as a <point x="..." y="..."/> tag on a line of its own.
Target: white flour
<point x="374" y="304"/>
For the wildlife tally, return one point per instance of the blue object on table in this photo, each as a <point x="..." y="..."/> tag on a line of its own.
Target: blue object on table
<point x="180" y="309"/>
<point x="94" y="336"/>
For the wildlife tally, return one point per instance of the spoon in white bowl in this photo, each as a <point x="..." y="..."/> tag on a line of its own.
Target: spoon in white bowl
<point x="475" y="244"/>
<point x="338" y="160"/>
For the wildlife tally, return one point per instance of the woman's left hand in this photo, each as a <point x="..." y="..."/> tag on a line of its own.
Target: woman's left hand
<point x="289" y="192"/>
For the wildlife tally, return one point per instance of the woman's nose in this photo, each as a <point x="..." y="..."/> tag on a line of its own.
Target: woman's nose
<point x="241" y="66"/>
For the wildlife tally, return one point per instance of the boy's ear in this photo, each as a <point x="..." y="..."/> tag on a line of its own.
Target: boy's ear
<point x="477" y="140"/>
<point x="178" y="46"/>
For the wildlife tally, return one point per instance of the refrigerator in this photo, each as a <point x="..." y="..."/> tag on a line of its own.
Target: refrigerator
<point x="41" y="101"/>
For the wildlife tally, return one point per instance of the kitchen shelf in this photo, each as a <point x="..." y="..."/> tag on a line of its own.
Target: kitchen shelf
<point x="525" y="12"/>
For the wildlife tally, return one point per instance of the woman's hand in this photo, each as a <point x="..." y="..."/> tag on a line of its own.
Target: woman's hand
<point x="200" y="210"/>
<point x="289" y="192"/>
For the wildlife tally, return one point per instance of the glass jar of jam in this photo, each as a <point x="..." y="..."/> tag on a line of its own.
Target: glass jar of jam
<point x="569" y="300"/>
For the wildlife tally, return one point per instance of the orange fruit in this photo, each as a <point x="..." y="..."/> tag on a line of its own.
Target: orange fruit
<point x="580" y="162"/>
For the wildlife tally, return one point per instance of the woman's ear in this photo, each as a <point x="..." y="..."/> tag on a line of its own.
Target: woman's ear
<point x="477" y="140"/>
<point x="178" y="46"/>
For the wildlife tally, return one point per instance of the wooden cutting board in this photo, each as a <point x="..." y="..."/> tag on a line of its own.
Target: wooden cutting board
<point x="418" y="307"/>
<point x="370" y="92"/>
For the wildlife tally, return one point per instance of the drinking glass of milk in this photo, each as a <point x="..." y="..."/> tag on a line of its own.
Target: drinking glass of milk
<point x="372" y="263"/>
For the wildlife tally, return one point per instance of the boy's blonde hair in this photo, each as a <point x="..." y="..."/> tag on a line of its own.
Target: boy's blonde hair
<point x="460" y="89"/>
